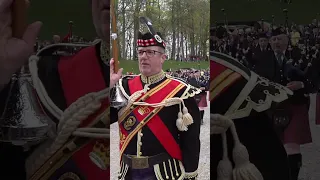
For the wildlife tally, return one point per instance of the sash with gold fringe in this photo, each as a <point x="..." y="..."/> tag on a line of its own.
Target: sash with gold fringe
<point x="139" y="116"/>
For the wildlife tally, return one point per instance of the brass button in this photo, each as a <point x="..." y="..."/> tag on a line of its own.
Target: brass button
<point x="141" y="134"/>
<point x="140" y="153"/>
<point x="140" y="143"/>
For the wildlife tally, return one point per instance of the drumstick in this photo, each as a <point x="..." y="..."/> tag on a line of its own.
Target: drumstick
<point x="19" y="14"/>
<point x="114" y="38"/>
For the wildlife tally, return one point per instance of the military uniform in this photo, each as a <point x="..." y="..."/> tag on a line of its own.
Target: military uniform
<point x="283" y="69"/>
<point x="63" y="82"/>
<point x="156" y="141"/>
<point x="202" y="102"/>
<point x="247" y="99"/>
<point x="259" y="53"/>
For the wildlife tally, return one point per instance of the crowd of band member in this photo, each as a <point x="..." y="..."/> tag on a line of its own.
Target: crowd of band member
<point x="246" y="44"/>
<point x="290" y="57"/>
<point x="199" y="79"/>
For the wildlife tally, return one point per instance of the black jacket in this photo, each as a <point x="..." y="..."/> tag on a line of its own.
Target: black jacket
<point x="188" y="141"/>
<point x="269" y="68"/>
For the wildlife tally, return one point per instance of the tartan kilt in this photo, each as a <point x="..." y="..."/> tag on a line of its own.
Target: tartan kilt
<point x="203" y="100"/>
<point x="298" y="130"/>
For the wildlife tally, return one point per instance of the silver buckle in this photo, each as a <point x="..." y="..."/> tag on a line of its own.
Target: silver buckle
<point x="139" y="162"/>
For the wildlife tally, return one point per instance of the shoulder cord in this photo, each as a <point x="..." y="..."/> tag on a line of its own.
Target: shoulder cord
<point x="70" y="119"/>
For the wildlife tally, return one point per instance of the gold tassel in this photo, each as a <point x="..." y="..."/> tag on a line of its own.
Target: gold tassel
<point x="180" y="123"/>
<point x="186" y="117"/>
<point x="224" y="169"/>
<point x="219" y="124"/>
<point x="244" y="169"/>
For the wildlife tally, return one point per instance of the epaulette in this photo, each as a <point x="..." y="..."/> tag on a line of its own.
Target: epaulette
<point x="258" y="94"/>
<point x="189" y="91"/>
<point x="125" y="78"/>
<point x="63" y="49"/>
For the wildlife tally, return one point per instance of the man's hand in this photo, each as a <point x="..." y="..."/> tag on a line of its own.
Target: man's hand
<point x="14" y="52"/>
<point x="295" y="85"/>
<point x="114" y="77"/>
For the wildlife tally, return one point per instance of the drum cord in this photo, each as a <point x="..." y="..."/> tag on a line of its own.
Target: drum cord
<point x="52" y="108"/>
<point x="71" y="118"/>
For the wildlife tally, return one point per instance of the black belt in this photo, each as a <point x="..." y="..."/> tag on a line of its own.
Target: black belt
<point x="145" y="161"/>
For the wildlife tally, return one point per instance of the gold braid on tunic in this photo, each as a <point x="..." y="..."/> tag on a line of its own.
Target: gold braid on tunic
<point x="104" y="53"/>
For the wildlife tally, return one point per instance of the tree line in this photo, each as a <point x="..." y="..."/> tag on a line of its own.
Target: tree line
<point x="184" y="24"/>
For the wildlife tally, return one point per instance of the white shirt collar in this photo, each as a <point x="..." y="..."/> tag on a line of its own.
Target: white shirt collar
<point x="283" y="52"/>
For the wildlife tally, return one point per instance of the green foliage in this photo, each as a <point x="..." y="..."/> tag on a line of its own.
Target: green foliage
<point x="299" y="11"/>
<point x="187" y="18"/>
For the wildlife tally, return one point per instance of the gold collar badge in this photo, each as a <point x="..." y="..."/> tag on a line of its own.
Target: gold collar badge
<point x="154" y="78"/>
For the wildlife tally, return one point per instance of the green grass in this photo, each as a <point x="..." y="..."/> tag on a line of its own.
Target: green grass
<point x="132" y="66"/>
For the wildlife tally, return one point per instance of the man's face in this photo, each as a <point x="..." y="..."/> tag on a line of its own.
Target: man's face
<point x="263" y="42"/>
<point x="279" y="43"/>
<point x="56" y="39"/>
<point x="101" y="18"/>
<point x="151" y="60"/>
